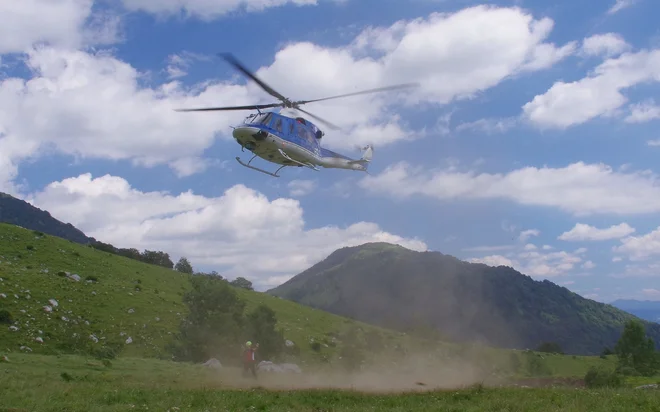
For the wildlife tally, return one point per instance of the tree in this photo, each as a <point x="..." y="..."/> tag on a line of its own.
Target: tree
<point x="550" y="347"/>
<point x="241" y="282"/>
<point x="183" y="265"/>
<point x="215" y="324"/>
<point x="636" y="351"/>
<point x="260" y="328"/>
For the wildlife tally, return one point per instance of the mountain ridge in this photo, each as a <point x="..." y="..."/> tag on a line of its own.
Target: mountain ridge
<point x="18" y="212"/>
<point x="394" y="287"/>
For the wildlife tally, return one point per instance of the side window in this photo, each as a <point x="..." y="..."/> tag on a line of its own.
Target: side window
<point x="278" y="124"/>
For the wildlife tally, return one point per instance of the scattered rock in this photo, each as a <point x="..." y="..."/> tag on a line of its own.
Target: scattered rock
<point x="131" y="310"/>
<point x="4" y="359"/>
<point x="268" y="366"/>
<point x="289" y="344"/>
<point x="74" y="277"/>
<point x="650" y="386"/>
<point x="213" y="363"/>
<point x="3" y="296"/>
<point x="94" y="338"/>
<point x="39" y="339"/>
<point x="48" y="309"/>
<point x="129" y="340"/>
<point x="53" y="302"/>
<point x="13" y="328"/>
<point x="26" y="348"/>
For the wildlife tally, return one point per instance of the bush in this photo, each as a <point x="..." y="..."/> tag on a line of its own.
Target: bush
<point x="602" y="378"/>
<point x="6" y="317"/>
<point x="316" y="346"/>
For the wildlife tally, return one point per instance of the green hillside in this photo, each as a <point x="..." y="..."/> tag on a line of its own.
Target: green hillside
<point x="401" y="289"/>
<point x="117" y="298"/>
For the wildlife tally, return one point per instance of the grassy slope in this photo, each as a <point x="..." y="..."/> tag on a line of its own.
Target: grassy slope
<point x="157" y="308"/>
<point x="35" y="383"/>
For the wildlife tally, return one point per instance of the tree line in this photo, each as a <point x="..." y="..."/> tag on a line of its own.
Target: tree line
<point x="163" y="259"/>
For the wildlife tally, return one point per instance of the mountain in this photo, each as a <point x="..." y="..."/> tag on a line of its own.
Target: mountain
<point x="20" y="213"/>
<point x="645" y="309"/>
<point x="393" y="287"/>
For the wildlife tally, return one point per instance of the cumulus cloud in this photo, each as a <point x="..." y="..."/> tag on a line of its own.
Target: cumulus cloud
<point x="606" y="44"/>
<point x="526" y="234"/>
<point x="240" y="233"/>
<point x="581" y="232"/>
<point x="530" y="261"/>
<point x="653" y="143"/>
<point x="579" y="188"/>
<point x="204" y="9"/>
<point x="640" y="247"/>
<point x="298" y="188"/>
<point x="92" y="104"/>
<point x="643" y="112"/>
<point x="598" y="94"/>
<point x="61" y="23"/>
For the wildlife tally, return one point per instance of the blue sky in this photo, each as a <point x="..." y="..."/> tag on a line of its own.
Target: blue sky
<point x="531" y="119"/>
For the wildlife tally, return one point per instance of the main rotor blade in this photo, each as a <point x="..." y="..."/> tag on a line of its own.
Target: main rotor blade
<point x="381" y="89"/>
<point x="239" y="66"/>
<point x="253" y="107"/>
<point x="327" y="123"/>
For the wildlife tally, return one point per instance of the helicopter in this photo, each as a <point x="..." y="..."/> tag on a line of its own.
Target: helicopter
<point x="285" y="140"/>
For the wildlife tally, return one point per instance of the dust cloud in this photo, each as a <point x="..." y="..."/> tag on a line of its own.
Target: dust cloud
<point x="416" y="373"/>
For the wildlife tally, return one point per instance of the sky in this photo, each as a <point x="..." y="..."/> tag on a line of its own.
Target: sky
<point x="532" y="141"/>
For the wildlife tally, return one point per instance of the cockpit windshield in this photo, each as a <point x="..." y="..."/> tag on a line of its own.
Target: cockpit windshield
<point x="261" y="118"/>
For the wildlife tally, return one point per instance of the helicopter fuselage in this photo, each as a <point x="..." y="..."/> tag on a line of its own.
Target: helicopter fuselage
<point x="290" y="142"/>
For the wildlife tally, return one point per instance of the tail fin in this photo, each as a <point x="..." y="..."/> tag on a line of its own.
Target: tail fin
<point x="368" y="153"/>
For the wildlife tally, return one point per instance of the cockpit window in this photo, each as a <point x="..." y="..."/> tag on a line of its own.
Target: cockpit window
<point x="261" y="118"/>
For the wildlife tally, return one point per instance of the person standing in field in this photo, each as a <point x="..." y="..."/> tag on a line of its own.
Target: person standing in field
<point x="249" y="359"/>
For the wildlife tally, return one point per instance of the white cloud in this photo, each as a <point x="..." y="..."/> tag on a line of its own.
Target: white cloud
<point x="579" y="188"/>
<point x="652" y="293"/>
<point x="640" y="247"/>
<point x="606" y="44"/>
<point x="617" y="259"/>
<point x="526" y="234"/>
<point x="643" y="112"/>
<point x="298" y="188"/>
<point x="63" y="23"/>
<point x="489" y="126"/>
<point x="206" y="9"/>
<point x="620" y="5"/>
<point x="588" y="265"/>
<point x="598" y="94"/>
<point x="252" y="235"/>
<point x="581" y="232"/>
<point x="178" y="64"/>
<point x="93" y="105"/>
<point x="531" y="262"/>
<point x="653" y="143"/>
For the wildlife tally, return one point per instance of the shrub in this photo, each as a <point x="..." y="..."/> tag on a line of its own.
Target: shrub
<point x="316" y="346"/>
<point x="602" y="378"/>
<point x="6" y="317"/>
<point x="29" y="247"/>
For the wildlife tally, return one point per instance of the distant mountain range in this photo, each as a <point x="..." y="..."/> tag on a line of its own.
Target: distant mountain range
<point x="20" y="213"/>
<point x="645" y="309"/>
<point x="394" y="287"/>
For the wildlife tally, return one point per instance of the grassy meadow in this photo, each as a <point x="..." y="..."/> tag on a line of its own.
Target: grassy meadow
<point x="116" y="299"/>
<point x="57" y="383"/>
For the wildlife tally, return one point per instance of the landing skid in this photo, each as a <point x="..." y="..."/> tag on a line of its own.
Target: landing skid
<point x="257" y="169"/>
